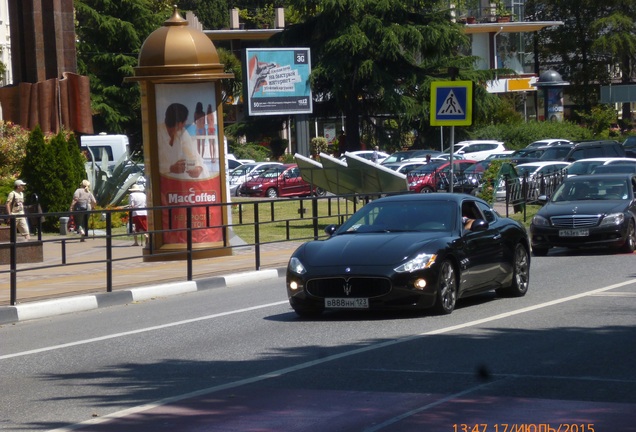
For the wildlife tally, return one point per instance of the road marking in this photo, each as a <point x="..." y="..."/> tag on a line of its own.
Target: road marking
<point x="615" y="294"/>
<point x="143" y="330"/>
<point x="309" y="364"/>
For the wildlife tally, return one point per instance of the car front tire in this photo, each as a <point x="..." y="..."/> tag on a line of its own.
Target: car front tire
<point x="630" y="241"/>
<point x="446" y="289"/>
<point x="271" y="193"/>
<point x="520" y="275"/>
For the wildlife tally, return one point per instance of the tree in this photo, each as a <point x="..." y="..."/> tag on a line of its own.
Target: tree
<point x="212" y="14"/>
<point x="54" y="187"/>
<point x="373" y="57"/>
<point x="110" y="34"/>
<point x="617" y="43"/>
<point x="594" y="35"/>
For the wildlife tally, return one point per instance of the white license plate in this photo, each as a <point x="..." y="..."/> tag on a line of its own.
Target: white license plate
<point x="574" y="233"/>
<point x="347" y="303"/>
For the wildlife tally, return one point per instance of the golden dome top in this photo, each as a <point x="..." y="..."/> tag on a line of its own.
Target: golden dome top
<point x="176" y="49"/>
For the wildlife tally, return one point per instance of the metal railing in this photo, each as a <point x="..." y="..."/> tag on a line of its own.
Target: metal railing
<point x="313" y="213"/>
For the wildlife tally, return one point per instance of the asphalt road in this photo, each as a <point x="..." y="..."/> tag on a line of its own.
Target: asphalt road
<point x="238" y="359"/>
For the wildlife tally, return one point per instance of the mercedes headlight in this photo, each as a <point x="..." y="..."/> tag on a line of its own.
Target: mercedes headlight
<point x="540" y="221"/>
<point x="613" y="219"/>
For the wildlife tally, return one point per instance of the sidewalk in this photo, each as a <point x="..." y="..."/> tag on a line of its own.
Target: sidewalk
<point x="84" y="276"/>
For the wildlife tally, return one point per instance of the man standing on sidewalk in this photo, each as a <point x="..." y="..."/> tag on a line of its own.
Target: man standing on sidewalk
<point x="15" y="206"/>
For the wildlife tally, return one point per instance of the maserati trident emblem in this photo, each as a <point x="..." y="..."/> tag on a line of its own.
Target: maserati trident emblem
<point x="347" y="287"/>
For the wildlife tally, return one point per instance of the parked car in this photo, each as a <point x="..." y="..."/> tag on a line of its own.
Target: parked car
<point x="404" y="155"/>
<point x="533" y="170"/>
<point x="591" y="149"/>
<point x="538" y="175"/>
<point x="477" y="149"/>
<point x="630" y="146"/>
<point x="503" y="155"/>
<point x="548" y="142"/>
<point x="528" y="154"/>
<point x="404" y="167"/>
<point x="470" y="181"/>
<point x="281" y="181"/>
<point x="555" y="153"/>
<point x="247" y="171"/>
<point x="436" y="175"/>
<point x="625" y="168"/>
<point x="595" y="210"/>
<point x="446" y="156"/>
<point x="586" y="166"/>
<point x="422" y="241"/>
<point x="366" y="154"/>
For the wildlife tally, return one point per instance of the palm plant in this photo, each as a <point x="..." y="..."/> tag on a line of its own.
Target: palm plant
<point x="110" y="183"/>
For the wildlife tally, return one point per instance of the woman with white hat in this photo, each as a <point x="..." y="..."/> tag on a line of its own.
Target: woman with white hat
<point x="83" y="201"/>
<point x="137" y="201"/>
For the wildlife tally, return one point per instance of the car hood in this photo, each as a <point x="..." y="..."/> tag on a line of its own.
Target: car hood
<point x="368" y="249"/>
<point x="583" y="207"/>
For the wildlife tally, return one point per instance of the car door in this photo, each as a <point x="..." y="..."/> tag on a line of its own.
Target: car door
<point x="292" y="183"/>
<point x="484" y="249"/>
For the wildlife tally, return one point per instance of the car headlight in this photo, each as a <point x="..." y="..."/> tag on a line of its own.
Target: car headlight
<point x="420" y="262"/>
<point x="258" y="186"/>
<point x="295" y="266"/>
<point x="540" y="221"/>
<point x="613" y="219"/>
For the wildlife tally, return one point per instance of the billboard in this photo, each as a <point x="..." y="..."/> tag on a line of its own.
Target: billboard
<point x="278" y="81"/>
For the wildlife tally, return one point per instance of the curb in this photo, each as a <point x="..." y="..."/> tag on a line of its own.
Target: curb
<point x="49" y="308"/>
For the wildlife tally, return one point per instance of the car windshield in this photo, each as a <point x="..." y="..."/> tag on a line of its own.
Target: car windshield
<point x="402" y="216"/>
<point x="427" y="169"/>
<point x="583" y="167"/>
<point x="398" y="157"/>
<point x="527" y="152"/>
<point x="240" y="171"/>
<point x="525" y="170"/>
<point x="588" y="189"/>
<point x="478" y="167"/>
<point x="556" y="153"/>
<point x="272" y="172"/>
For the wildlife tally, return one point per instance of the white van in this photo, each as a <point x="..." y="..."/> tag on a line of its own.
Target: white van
<point x="116" y="147"/>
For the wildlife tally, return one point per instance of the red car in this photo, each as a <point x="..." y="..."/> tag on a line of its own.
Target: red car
<point x="435" y="175"/>
<point x="281" y="181"/>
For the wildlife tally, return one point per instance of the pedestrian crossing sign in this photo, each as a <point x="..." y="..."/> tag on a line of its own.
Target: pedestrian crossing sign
<point x="451" y="103"/>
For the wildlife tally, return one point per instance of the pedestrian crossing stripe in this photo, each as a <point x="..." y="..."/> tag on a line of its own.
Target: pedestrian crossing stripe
<point x="451" y="103"/>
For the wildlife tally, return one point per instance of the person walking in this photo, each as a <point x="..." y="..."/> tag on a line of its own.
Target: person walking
<point x="137" y="202"/>
<point x="15" y="206"/>
<point x="83" y="202"/>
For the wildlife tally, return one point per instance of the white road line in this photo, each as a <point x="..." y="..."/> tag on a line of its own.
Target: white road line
<point x="301" y="366"/>
<point x="143" y="330"/>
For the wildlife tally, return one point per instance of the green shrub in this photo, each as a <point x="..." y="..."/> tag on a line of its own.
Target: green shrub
<point x="319" y="145"/>
<point x="252" y="151"/>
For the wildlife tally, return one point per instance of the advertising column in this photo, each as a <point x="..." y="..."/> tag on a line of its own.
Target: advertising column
<point x="188" y="161"/>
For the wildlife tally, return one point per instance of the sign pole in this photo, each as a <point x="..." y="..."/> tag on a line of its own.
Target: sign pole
<point x="452" y="150"/>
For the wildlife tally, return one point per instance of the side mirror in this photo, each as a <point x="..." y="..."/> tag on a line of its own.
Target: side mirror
<point x="330" y="229"/>
<point x="542" y="199"/>
<point x="479" y="225"/>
